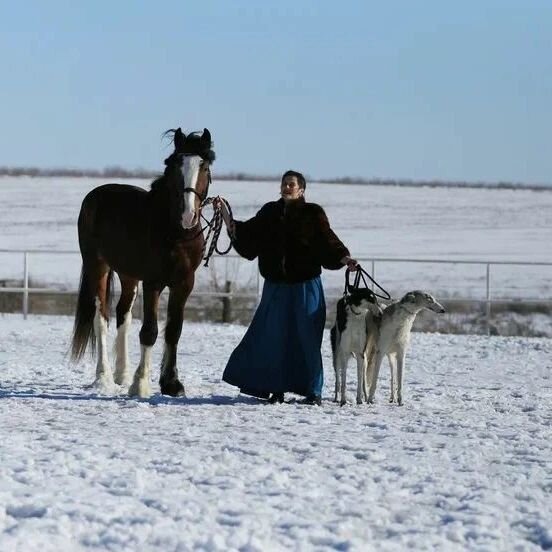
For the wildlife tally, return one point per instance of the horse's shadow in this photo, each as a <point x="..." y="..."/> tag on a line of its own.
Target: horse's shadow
<point x="155" y="400"/>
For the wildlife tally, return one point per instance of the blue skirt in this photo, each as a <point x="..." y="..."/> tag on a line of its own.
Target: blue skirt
<point x="280" y="351"/>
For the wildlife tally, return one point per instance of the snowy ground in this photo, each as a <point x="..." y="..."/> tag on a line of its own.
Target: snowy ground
<point x="464" y="465"/>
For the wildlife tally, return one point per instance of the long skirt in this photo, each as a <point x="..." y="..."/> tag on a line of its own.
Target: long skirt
<point x="280" y="351"/>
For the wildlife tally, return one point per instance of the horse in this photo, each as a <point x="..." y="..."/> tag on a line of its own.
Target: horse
<point x="150" y="236"/>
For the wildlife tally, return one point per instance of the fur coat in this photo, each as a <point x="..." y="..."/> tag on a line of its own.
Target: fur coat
<point x="293" y="242"/>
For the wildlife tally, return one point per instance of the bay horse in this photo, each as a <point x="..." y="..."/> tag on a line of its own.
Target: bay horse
<point x="151" y="236"/>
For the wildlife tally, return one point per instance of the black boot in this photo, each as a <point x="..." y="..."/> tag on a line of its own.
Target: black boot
<point x="315" y="400"/>
<point x="276" y="398"/>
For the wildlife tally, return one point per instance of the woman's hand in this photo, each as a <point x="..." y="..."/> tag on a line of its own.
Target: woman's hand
<point x="350" y="263"/>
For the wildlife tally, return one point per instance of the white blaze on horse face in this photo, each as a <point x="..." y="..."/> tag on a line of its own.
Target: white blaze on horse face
<point x="190" y="172"/>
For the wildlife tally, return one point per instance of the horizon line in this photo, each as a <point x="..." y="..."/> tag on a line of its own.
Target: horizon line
<point x="120" y="172"/>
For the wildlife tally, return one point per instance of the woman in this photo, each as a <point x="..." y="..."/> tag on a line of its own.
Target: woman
<point x="280" y="351"/>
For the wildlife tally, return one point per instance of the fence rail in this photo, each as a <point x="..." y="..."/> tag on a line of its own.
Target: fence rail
<point x="373" y="262"/>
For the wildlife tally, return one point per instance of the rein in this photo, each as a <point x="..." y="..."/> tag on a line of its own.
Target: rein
<point x="215" y="226"/>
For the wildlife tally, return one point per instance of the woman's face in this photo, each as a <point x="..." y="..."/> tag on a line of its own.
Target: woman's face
<point x="290" y="188"/>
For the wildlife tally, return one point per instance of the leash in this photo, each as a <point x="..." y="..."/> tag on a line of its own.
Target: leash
<point x="361" y="274"/>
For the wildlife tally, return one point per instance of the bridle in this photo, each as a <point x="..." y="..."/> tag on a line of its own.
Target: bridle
<point x="202" y="197"/>
<point x="216" y="222"/>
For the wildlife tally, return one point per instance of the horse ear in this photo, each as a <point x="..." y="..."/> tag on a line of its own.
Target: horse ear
<point x="179" y="138"/>
<point x="206" y="138"/>
<point x="409" y="298"/>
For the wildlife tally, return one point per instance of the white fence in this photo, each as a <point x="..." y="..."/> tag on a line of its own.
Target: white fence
<point x="536" y="294"/>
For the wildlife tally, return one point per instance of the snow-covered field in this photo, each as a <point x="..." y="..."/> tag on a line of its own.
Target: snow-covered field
<point x="374" y="221"/>
<point x="464" y="465"/>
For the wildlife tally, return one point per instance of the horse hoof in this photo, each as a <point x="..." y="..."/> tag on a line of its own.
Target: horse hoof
<point x="103" y="384"/>
<point x="122" y="379"/>
<point x="140" y="388"/>
<point x="172" y="388"/>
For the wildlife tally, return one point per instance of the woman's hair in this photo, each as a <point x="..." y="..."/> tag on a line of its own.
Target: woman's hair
<point x="298" y="175"/>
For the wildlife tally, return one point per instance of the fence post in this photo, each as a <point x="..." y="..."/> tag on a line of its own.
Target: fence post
<point x="488" y="299"/>
<point x="227" y="303"/>
<point x="25" y="284"/>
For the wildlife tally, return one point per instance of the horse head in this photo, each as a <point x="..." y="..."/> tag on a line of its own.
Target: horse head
<point x="189" y="166"/>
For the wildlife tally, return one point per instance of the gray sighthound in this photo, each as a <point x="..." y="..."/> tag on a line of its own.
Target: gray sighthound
<point x="390" y="337"/>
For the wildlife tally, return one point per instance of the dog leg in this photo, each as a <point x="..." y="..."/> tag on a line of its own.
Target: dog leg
<point x="400" y="366"/>
<point x="337" y="371"/>
<point x="343" y="382"/>
<point x="392" y="368"/>
<point x="374" y="381"/>
<point x="361" y="369"/>
<point x="371" y="357"/>
<point x="365" y="382"/>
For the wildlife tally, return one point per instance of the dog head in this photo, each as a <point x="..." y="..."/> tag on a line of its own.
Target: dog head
<point x="363" y="300"/>
<point x="417" y="300"/>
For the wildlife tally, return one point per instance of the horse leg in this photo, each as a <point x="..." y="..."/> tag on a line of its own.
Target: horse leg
<point x="168" y="380"/>
<point x="141" y="386"/>
<point x="104" y="377"/>
<point x="124" y="318"/>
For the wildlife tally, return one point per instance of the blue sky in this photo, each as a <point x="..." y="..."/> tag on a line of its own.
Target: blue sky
<point x="396" y="89"/>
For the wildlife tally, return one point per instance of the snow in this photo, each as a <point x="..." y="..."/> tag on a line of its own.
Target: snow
<point x="465" y="464"/>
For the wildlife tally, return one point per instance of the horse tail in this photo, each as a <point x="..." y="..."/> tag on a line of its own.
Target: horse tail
<point x="83" y="329"/>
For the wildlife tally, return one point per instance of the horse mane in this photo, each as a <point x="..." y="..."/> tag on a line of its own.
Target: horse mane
<point x="194" y="145"/>
<point x="158" y="183"/>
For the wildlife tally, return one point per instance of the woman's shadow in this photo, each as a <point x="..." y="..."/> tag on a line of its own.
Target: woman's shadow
<point x="156" y="399"/>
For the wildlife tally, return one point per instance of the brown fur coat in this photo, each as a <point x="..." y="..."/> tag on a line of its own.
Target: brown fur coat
<point x="292" y="241"/>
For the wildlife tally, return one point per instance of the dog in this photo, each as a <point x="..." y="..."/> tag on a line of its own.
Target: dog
<point x="349" y="337"/>
<point x="390" y="337"/>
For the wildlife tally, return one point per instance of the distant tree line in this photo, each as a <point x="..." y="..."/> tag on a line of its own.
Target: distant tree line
<point x="120" y="172"/>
